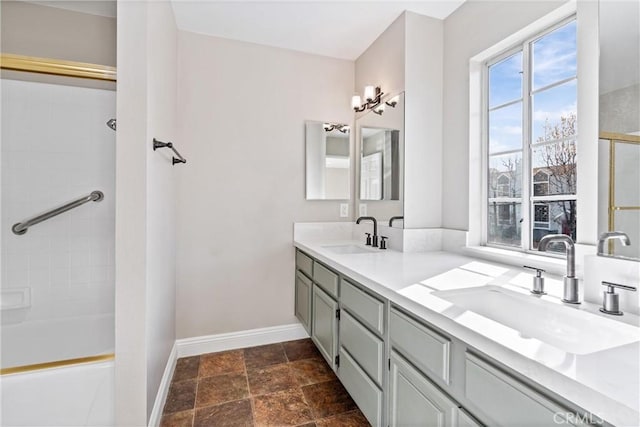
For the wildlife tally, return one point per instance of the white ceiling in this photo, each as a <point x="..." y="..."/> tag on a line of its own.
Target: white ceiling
<point x="339" y="29"/>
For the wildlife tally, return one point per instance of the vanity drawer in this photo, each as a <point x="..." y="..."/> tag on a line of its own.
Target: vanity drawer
<point x="425" y="348"/>
<point x="367" y="308"/>
<point x="304" y="263"/>
<point x="327" y="279"/>
<point x="364" y="392"/>
<point x="503" y="400"/>
<point x="365" y="347"/>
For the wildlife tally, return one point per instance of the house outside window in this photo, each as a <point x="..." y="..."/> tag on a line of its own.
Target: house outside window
<point x="531" y="134"/>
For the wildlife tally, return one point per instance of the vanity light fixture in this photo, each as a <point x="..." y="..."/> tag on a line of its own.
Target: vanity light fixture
<point x="378" y="109"/>
<point x="392" y="102"/>
<point x="328" y="127"/>
<point x="372" y="95"/>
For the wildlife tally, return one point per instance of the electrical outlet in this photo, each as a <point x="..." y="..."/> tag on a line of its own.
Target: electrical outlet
<point x="344" y="210"/>
<point x="363" y="209"/>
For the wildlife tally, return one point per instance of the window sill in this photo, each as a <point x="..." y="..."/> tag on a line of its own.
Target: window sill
<point x="550" y="264"/>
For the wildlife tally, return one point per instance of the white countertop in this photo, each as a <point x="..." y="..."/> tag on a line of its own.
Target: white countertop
<point x="605" y="383"/>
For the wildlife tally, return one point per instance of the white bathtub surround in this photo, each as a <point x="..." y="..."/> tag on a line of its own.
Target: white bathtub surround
<point x="409" y="280"/>
<point x="56" y="148"/>
<point x="59" y="339"/>
<point x="79" y="395"/>
<point x="598" y="269"/>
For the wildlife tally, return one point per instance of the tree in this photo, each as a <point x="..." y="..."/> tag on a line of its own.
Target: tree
<point x="559" y="160"/>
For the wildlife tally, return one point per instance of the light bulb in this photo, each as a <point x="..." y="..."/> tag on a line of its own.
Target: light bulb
<point x="369" y="92"/>
<point x="356" y="102"/>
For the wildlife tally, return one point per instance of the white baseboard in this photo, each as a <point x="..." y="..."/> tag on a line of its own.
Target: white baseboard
<point x="163" y="390"/>
<point x="241" y="339"/>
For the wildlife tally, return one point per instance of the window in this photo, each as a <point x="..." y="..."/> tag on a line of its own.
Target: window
<point x="531" y="134"/>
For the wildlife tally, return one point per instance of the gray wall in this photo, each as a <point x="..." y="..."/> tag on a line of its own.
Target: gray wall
<point x="242" y="114"/>
<point x="49" y="32"/>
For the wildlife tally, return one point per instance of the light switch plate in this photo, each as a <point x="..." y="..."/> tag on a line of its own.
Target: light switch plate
<point x="363" y="209"/>
<point x="344" y="210"/>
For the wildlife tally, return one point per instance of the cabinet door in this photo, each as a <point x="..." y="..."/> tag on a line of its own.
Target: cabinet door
<point x="415" y="401"/>
<point x="324" y="328"/>
<point x="303" y="300"/>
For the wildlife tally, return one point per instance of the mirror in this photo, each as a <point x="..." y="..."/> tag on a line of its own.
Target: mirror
<point x="619" y="146"/>
<point x="328" y="161"/>
<point x="379" y="162"/>
<point x="380" y="136"/>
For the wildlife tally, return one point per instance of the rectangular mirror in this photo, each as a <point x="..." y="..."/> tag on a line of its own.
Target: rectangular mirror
<point x="380" y="136"/>
<point x="328" y="161"/>
<point x="619" y="150"/>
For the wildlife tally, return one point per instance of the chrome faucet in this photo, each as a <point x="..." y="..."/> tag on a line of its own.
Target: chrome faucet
<point x="570" y="293"/>
<point x="610" y="235"/>
<point x="374" y="240"/>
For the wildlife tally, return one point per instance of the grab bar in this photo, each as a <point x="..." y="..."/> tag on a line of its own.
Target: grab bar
<point x="159" y="144"/>
<point x="20" y="228"/>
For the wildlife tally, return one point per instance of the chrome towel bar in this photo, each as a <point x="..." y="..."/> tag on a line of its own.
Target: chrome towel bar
<point x="20" y="228"/>
<point x="159" y="144"/>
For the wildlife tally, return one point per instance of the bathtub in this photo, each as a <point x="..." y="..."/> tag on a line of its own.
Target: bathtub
<point x="73" y="395"/>
<point x="76" y="395"/>
<point x="34" y="342"/>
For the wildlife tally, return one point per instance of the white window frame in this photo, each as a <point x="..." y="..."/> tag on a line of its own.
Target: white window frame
<point x="527" y="199"/>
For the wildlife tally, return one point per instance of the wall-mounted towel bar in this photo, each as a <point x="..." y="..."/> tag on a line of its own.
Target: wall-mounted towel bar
<point x="22" y="227"/>
<point x="159" y="144"/>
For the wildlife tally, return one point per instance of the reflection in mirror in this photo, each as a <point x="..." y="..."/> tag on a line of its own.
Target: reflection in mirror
<point x="619" y="151"/>
<point x="380" y="174"/>
<point x="380" y="136"/>
<point x="328" y="162"/>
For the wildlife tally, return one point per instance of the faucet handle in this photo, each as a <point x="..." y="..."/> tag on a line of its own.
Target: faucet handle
<point x="383" y="242"/>
<point x="612" y="285"/>
<point x="368" y="239"/>
<point x="611" y="300"/>
<point x="538" y="281"/>
<point x="539" y="271"/>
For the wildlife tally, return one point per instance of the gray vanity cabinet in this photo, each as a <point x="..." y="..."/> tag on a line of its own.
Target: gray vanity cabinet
<point x="324" y="324"/>
<point x="403" y="371"/>
<point x="416" y="401"/>
<point x="303" y="300"/>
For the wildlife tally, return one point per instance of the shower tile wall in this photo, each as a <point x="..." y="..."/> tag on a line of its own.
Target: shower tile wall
<point x="55" y="148"/>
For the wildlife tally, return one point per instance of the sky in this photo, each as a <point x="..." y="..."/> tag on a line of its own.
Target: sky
<point x="554" y="60"/>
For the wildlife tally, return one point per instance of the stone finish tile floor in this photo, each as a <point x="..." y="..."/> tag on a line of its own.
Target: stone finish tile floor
<point x="284" y="384"/>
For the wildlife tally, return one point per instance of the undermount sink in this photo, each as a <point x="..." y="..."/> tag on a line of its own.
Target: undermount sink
<point x="349" y="249"/>
<point x="565" y="328"/>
